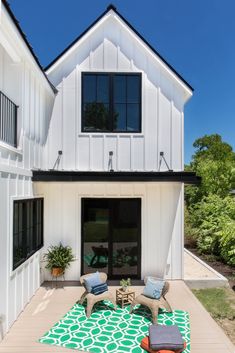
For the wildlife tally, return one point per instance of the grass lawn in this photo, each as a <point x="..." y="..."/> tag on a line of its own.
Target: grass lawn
<point x="220" y="303"/>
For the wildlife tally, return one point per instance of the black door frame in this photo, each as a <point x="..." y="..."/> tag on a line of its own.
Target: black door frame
<point x="110" y="240"/>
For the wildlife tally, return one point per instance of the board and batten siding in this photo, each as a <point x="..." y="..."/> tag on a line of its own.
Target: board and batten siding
<point x="22" y="82"/>
<point x="161" y="225"/>
<point x="112" y="49"/>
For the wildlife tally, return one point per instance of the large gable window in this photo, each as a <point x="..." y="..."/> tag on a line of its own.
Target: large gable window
<point x="27" y="229"/>
<point x="111" y="102"/>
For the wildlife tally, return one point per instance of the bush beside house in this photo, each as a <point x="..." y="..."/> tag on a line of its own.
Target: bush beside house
<point x="209" y="208"/>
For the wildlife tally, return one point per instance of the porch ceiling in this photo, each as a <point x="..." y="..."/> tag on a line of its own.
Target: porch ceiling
<point x="133" y="176"/>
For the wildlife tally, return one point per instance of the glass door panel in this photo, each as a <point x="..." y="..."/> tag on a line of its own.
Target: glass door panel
<point x="95" y="235"/>
<point x="126" y="238"/>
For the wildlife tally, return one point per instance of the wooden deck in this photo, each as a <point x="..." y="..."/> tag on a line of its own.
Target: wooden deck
<point x="50" y="304"/>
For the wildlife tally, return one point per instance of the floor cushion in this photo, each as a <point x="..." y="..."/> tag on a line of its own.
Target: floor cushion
<point x="145" y="345"/>
<point x="165" y="337"/>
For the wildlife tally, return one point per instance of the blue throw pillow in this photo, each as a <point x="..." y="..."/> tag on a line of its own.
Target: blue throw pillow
<point x="153" y="288"/>
<point x="99" y="289"/>
<point x="91" y="281"/>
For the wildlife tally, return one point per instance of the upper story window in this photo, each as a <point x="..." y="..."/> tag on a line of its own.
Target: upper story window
<point x="8" y="120"/>
<point x="111" y="102"/>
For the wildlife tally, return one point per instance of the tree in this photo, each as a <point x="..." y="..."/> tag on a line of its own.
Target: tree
<point x="214" y="161"/>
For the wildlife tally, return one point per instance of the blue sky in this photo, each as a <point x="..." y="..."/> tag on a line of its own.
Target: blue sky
<point x="197" y="37"/>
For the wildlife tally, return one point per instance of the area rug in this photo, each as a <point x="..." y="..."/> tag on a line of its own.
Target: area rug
<point x="111" y="331"/>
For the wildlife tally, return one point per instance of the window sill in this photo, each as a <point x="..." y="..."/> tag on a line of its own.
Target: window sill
<point x="9" y="148"/>
<point x="25" y="262"/>
<point x="114" y="134"/>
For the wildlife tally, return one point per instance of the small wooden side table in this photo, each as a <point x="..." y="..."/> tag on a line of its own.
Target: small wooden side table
<point x="124" y="297"/>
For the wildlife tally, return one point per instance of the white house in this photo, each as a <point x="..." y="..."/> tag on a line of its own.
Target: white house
<point x="91" y="155"/>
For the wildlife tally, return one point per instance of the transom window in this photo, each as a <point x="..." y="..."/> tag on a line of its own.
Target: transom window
<point x="27" y="229"/>
<point x="111" y="102"/>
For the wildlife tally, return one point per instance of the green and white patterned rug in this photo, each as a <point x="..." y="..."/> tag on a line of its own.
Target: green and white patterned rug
<point x="111" y="331"/>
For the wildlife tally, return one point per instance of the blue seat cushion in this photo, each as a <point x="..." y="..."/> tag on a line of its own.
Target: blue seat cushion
<point x="153" y="288"/>
<point x="91" y="281"/>
<point x="99" y="288"/>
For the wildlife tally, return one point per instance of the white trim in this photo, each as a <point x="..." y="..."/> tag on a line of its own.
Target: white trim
<point x="4" y="145"/>
<point x="5" y="168"/>
<point x="9" y="49"/>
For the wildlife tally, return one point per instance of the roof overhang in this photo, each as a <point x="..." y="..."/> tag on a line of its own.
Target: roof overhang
<point x="111" y="12"/>
<point x="86" y="176"/>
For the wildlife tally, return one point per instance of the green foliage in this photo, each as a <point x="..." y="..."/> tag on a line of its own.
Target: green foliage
<point x="214" y="161"/>
<point x="210" y="211"/>
<point x="227" y="242"/>
<point x="219" y="302"/>
<point x="125" y="282"/>
<point x="189" y="232"/>
<point x="208" y="218"/>
<point x="233" y="179"/>
<point x="58" y="256"/>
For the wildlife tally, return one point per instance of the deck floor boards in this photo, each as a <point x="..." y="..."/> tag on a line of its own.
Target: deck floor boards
<point x="50" y="304"/>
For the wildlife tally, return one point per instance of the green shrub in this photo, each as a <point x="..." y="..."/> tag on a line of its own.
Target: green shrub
<point x="227" y="242"/>
<point x="208" y="217"/>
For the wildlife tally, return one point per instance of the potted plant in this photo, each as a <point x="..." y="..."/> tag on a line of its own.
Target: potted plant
<point x="58" y="258"/>
<point x="125" y="283"/>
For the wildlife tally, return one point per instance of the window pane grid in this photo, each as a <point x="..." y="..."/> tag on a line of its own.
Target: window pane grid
<point x="118" y="111"/>
<point x="27" y="229"/>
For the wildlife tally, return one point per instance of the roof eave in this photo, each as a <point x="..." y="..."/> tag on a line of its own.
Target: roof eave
<point x="16" y="22"/>
<point x="111" y="8"/>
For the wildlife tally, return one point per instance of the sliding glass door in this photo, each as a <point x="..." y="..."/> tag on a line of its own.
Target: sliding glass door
<point x="111" y="236"/>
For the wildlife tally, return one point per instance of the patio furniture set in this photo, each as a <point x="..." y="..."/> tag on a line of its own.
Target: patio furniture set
<point x="123" y="297"/>
<point x="161" y="338"/>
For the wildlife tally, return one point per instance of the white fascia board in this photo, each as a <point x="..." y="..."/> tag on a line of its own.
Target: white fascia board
<point x="10" y="27"/>
<point x="76" y="45"/>
<point x="9" y="48"/>
<point x="4" y="168"/>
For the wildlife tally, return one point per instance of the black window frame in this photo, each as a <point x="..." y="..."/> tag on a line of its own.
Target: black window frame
<point x="111" y="76"/>
<point x="31" y="221"/>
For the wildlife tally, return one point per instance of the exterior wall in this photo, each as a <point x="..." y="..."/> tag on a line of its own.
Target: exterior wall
<point x="21" y="80"/>
<point x="161" y="221"/>
<point x="111" y="48"/>
<point x="40" y="134"/>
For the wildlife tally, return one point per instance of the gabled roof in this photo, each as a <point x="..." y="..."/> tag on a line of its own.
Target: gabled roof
<point x="16" y="22"/>
<point x="113" y="8"/>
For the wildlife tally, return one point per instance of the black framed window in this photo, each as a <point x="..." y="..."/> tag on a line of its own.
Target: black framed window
<point x="27" y="229"/>
<point x="111" y="102"/>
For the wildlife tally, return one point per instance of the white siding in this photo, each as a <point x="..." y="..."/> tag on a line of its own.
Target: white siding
<point x="113" y="49"/>
<point x="161" y="221"/>
<point x="22" y="82"/>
